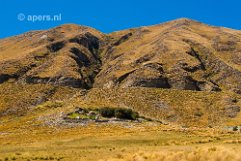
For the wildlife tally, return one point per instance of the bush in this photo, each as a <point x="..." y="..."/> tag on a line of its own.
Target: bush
<point x="124" y="113"/>
<point x="107" y="112"/>
<point x="73" y="115"/>
<point x="121" y="113"/>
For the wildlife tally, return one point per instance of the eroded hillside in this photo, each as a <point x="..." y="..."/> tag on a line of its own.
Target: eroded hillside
<point x="181" y="54"/>
<point x="66" y="55"/>
<point x="57" y="64"/>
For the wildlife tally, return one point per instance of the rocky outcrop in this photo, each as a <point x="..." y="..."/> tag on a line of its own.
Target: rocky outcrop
<point x="62" y="81"/>
<point x="231" y="111"/>
<point x="149" y="75"/>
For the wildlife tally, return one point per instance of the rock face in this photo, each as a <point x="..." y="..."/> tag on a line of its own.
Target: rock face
<point x="181" y="54"/>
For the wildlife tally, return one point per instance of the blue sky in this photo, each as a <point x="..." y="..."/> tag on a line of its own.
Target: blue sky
<point x="113" y="15"/>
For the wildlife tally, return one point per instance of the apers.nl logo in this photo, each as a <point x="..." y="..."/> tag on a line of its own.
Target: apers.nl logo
<point x="39" y="18"/>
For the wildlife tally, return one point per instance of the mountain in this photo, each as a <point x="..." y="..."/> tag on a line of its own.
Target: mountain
<point x="181" y="54"/>
<point x="176" y="56"/>
<point x="65" y="55"/>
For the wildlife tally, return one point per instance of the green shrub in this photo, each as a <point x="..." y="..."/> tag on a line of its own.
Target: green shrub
<point x="73" y="115"/>
<point x="135" y="115"/>
<point x="121" y="113"/>
<point x="124" y="113"/>
<point x="107" y="112"/>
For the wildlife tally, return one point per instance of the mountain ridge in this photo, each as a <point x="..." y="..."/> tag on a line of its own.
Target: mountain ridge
<point x="181" y="71"/>
<point x="83" y="50"/>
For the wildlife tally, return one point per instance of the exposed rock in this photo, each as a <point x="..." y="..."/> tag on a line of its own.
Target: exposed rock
<point x="122" y="39"/>
<point x="144" y="77"/>
<point x="54" y="47"/>
<point x="231" y="111"/>
<point x="207" y="86"/>
<point x="62" y="81"/>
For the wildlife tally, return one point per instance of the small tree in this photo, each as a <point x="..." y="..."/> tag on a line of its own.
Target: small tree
<point x="107" y="112"/>
<point x="121" y="113"/>
<point x="124" y="113"/>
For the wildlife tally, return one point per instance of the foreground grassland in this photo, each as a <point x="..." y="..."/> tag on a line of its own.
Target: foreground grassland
<point x="190" y="125"/>
<point x="123" y="141"/>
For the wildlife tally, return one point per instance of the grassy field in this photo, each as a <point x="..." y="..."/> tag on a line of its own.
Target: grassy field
<point x="120" y="141"/>
<point x="38" y="132"/>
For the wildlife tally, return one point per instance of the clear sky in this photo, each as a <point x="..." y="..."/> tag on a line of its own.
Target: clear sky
<point x="113" y="15"/>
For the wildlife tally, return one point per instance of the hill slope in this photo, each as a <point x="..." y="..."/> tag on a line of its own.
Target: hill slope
<point x="178" y="55"/>
<point x="66" y="55"/>
<point x="181" y="54"/>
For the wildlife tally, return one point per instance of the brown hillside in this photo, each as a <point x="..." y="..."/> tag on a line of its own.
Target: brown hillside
<point x="181" y="54"/>
<point x="178" y="55"/>
<point x="66" y="55"/>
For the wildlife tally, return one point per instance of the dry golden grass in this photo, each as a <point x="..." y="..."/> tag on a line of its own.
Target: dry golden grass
<point x="18" y="99"/>
<point x="193" y="154"/>
<point x="188" y="108"/>
<point x="29" y="138"/>
<point x="19" y="47"/>
<point x="25" y="138"/>
<point x="185" y="107"/>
